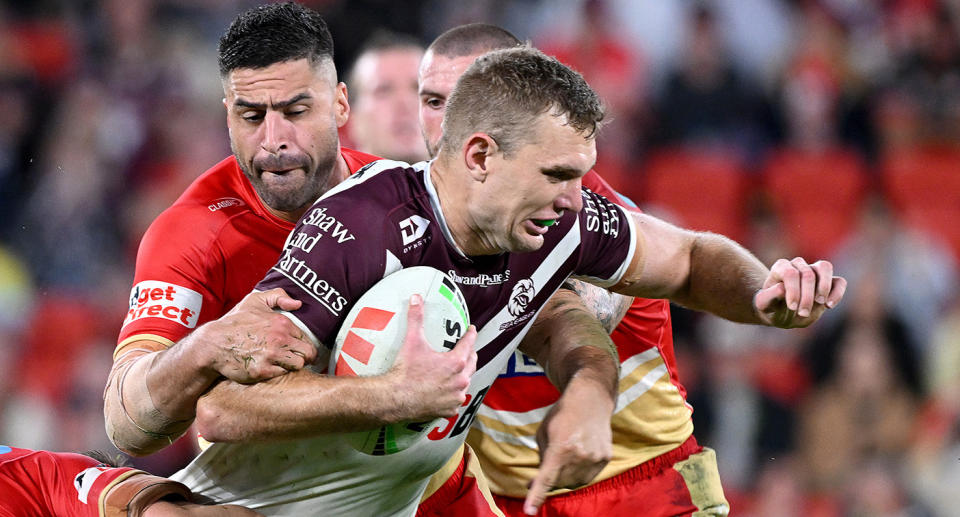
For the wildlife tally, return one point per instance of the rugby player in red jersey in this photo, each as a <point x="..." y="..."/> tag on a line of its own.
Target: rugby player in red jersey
<point x="61" y="484"/>
<point x="191" y="322"/>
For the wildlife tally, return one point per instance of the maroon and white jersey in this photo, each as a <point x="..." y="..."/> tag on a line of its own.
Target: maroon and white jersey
<point x="383" y="218"/>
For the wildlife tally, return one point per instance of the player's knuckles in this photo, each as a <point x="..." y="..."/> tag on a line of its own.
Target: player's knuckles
<point x="280" y="323"/>
<point x="790" y="274"/>
<point x="823" y="267"/>
<point x="781" y="265"/>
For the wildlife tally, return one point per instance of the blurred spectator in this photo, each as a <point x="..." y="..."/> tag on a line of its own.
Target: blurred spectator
<point x="866" y="403"/>
<point x="598" y="50"/>
<point x="934" y="469"/>
<point x="926" y="52"/>
<point x="781" y="491"/>
<point x="878" y="490"/>
<point x="911" y="275"/>
<point x="704" y="101"/>
<point x="384" y="104"/>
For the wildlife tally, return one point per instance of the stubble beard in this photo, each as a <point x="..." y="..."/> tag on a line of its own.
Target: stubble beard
<point x="316" y="181"/>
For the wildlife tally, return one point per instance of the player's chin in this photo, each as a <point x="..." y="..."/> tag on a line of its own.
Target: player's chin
<point x="287" y="198"/>
<point x="526" y="243"/>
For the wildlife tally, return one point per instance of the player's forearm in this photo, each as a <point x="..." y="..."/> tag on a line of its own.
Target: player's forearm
<point x="568" y="340"/>
<point x="723" y="279"/>
<point x="151" y="397"/>
<point x="300" y="404"/>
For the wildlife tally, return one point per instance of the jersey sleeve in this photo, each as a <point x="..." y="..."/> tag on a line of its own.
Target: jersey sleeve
<point x="65" y="483"/>
<point x="130" y="495"/>
<point x="333" y="255"/>
<point x="177" y="282"/>
<point x="608" y="239"/>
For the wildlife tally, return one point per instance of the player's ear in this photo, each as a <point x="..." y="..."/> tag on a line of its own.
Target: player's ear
<point x="477" y="151"/>
<point x="341" y="105"/>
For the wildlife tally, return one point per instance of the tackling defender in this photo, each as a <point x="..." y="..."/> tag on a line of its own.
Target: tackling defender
<point x="42" y="484"/>
<point x="206" y="252"/>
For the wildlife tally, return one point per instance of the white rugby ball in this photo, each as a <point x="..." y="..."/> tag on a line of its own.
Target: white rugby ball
<point x="373" y="331"/>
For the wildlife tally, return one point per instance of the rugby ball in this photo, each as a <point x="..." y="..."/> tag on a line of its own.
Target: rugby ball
<point x="373" y="332"/>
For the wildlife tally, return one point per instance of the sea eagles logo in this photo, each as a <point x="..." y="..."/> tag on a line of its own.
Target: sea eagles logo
<point x="521" y="297"/>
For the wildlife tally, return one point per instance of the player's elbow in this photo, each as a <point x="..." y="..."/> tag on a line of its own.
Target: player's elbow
<point x="133" y="441"/>
<point x="212" y="425"/>
<point x="126" y="435"/>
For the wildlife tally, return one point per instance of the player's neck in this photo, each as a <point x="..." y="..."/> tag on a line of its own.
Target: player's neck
<point x="454" y="198"/>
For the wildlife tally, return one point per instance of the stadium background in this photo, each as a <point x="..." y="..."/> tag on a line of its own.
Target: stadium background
<point x="825" y="128"/>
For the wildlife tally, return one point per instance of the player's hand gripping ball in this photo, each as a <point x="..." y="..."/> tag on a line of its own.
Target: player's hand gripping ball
<point x="373" y="333"/>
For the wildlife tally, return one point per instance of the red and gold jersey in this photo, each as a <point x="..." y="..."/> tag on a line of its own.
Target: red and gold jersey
<point x="202" y="255"/>
<point x="41" y="483"/>
<point x="651" y="416"/>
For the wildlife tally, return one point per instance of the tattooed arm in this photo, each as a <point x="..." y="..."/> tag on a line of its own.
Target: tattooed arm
<point x="609" y="308"/>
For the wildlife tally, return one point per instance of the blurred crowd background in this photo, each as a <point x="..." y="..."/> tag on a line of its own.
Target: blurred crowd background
<point x="815" y="128"/>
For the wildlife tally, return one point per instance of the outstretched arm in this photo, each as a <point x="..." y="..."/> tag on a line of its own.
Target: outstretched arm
<point x="152" y="391"/>
<point x="709" y="272"/>
<point x="578" y="356"/>
<point x="421" y="385"/>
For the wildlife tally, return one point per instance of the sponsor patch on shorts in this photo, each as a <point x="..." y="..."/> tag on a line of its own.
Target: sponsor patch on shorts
<point x="154" y="299"/>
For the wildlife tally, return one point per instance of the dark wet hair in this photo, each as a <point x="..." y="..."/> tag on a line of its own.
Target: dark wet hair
<point x="274" y="33"/>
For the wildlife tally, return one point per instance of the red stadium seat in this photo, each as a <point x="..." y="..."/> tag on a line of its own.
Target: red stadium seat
<point x="924" y="188"/>
<point x="818" y="196"/>
<point x="704" y="190"/>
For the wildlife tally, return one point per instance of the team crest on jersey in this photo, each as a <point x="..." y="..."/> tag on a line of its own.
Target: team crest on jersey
<point x="154" y="299"/>
<point x="521" y="297"/>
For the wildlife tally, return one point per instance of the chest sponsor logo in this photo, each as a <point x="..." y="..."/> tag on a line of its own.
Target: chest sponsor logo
<point x="154" y="299"/>
<point x="85" y="480"/>
<point x="483" y="280"/>
<point x="520" y="298"/>
<point x="225" y="202"/>
<point x="327" y="224"/>
<point x="307" y="279"/>
<point x="602" y="216"/>
<point x="413" y="228"/>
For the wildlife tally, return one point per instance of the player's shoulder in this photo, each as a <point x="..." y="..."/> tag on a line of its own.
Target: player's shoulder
<point x="357" y="211"/>
<point x="382" y="183"/>
<point x="356" y="159"/>
<point x="209" y="202"/>
<point x="222" y="189"/>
